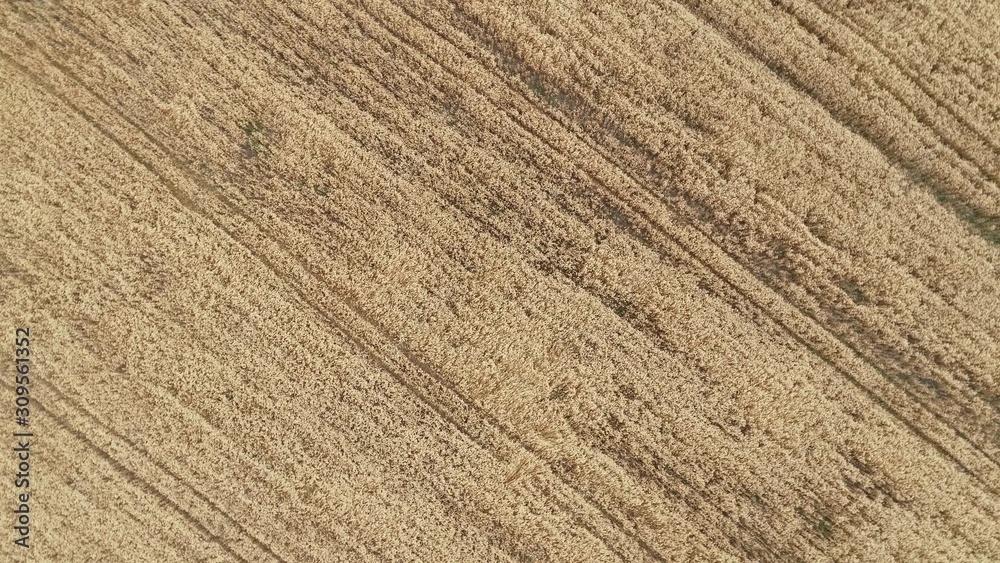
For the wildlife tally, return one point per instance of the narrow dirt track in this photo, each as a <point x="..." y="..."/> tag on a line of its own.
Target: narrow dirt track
<point x="468" y="281"/>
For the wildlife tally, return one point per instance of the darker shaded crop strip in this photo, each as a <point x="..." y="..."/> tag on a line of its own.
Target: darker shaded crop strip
<point x="977" y="221"/>
<point x="853" y="26"/>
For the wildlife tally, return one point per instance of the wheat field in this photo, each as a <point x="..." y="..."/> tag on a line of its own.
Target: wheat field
<point x="360" y="280"/>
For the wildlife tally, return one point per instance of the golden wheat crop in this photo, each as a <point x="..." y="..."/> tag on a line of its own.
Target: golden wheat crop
<point x="475" y="281"/>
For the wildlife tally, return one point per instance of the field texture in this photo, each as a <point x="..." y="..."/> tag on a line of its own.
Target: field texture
<point x="364" y="280"/>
